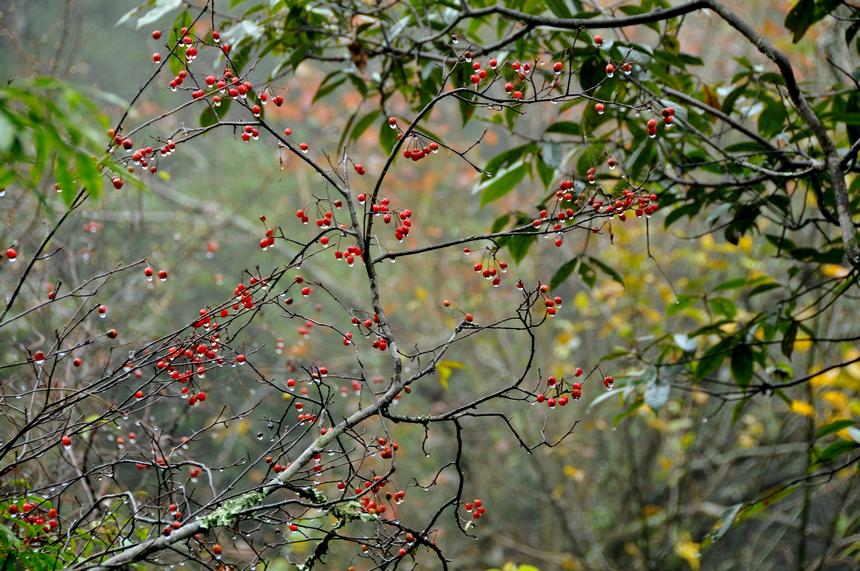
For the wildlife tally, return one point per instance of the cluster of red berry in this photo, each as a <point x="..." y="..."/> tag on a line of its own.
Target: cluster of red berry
<point x="33" y="514"/>
<point x="490" y="267"/>
<point x="475" y="507"/>
<point x="557" y="390"/>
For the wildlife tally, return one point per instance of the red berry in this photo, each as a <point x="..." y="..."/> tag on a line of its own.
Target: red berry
<point x="117" y="182"/>
<point x="156" y="34"/>
<point x="11" y="254"/>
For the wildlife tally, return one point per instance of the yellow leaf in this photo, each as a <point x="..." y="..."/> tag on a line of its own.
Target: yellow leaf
<point x="243" y="427"/>
<point x="802" y="408"/>
<point x="574" y="473"/>
<point x="834" y="270"/>
<point x="803" y="343"/>
<point x="445" y="368"/>
<point x="854" y="368"/>
<point x="651" y="510"/>
<point x="836" y="399"/>
<point x="688" y="550"/>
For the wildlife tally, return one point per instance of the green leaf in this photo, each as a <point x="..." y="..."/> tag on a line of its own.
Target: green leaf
<point x="559" y="8"/>
<point x="742" y="365"/>
<point x="723" y="306"/>
<point x="772" y="118"/>
<point x="564" y="127"/>
<point x="730" y="99"/>
<point x="587" y="274"/>
<point x="657" y="391"/>
<point x="713" y="358"/>
<point x="771" y="497"/>
<point x="162" y="8"/>
<point x="88" y="175"/>
<point x="500" y="223"/>
<point x="607" y="270"/>
<point x="591" y="73"/>
<point x="564" y="272"/>
<point x="835" y="450"/>
<point x="551" y="154"/>
<point x="504" y="159"/>
<point x="518" y="245"/>
<point x="787" y="344"/>
<point x="128" y="15"/>
<point x="732" y="284"/>
<point x="7" y="133"/>
<point x="387" y="137"/>
<point x="502" y="184"/>
<point x="690" y="210"/>
<point x="800" y="18"/>
<point x="211" y="114"/>
<point x="762" y="288"/>
<point x="834" y="427"/>
<point x="362" y="124"/>
<point x="65" y="180"/>
<point x="176" y="62"/>
<point x="725" y="523"/>
<point x="328" y="84"/>
<point x="545" y="171"/>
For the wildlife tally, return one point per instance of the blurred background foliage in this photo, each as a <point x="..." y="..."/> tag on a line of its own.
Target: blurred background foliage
<point x="655" y="476"/>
